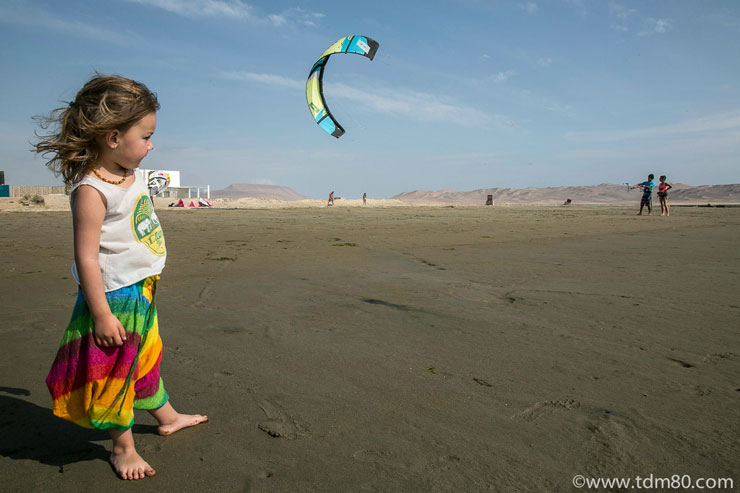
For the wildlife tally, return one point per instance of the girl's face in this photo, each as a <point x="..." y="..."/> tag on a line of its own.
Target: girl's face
<point x="135" y="143"/>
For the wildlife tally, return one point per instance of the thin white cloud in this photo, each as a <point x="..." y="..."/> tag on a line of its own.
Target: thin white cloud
<point x="655" y="26"/>
<point x="726" y="123"/>
<point x="233" y="9"/>
<point x="662" y="25"/>
<point x="620" y="11"/>
<point x="529" y="98"/>
<point x="544" y="62"/>
<point x="415" y="105"/>
<point x="503" y="76"/>
<point x="719" y="149"/>
<point x="627" y="16"/>
<point x="405" y="103"/>
<point x="563" y="109"/>
<point x="277" y="20"/>
<point x="303" y="17"/>
<point x="529" y="7"/>
<point x="269" y="79"/>
<point x="700" y="150"/>
<point x="296" y="16"/>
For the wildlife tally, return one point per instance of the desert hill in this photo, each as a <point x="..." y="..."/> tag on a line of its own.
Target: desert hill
<point x="598" y="194"/>
<point x="240" y="191"/>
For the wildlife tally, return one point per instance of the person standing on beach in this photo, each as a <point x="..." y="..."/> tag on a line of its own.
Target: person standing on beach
<point x="364" y="199"/>
<point x="108" y="361"/>
<point x="331" y="199"/>
<point x="647" y="194"/>
<point x="663" y="188"/>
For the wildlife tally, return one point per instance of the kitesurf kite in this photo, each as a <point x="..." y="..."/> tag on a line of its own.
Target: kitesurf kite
<point x="360" y="45"/>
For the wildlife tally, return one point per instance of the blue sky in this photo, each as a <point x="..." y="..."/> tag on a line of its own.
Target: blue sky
<point x="462" y="94"/>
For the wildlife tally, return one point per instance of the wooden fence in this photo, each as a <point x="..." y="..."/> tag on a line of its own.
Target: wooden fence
<point x="20" y="191"/>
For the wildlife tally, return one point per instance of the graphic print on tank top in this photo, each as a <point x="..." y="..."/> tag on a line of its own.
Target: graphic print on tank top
<point x="145" y="226"/>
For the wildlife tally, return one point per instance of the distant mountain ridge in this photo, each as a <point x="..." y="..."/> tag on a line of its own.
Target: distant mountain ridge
<point x="246" y="190"/>
<point x="604" y="193"/>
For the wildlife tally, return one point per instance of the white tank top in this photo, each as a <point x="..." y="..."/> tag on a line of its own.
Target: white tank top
<point x="131" y="240"/>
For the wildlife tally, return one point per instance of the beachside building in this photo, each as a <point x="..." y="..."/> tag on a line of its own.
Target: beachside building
<point x="175" y="189"/>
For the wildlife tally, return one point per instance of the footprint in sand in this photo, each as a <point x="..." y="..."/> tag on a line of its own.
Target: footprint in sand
<point x="708" y="359"/>
<point x="546" y="407"/>
<point x="279" y="423"/>
<point x="425" y="262"/>
<point x="474" y="291"/>
<point x="716" y="357"/>
<point x="204" y="295"/>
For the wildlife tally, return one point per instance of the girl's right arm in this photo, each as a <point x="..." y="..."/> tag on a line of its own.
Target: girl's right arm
<point x="88" y="212"/>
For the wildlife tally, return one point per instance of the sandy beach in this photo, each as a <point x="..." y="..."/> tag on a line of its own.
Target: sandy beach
<point x="401" y="349"/>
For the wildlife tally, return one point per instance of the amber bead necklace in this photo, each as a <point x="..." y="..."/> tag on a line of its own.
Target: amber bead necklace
<point x="125" y="175"/>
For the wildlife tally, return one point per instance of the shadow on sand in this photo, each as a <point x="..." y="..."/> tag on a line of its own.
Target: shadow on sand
<point x="32" y="432"/>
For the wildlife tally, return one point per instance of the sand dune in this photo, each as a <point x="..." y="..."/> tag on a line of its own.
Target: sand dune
<point x="598" y="194"/>
<point x="276" y="192"/>
<point x="262" y="203"/>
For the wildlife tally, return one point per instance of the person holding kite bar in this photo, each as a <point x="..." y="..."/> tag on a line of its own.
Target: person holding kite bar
<point x="647" y="194"/>
<point x="108" y="361"/>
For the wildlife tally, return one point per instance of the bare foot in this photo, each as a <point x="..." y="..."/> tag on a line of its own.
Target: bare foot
<point x="179" y="422"/>
<point x="129" y="465"/>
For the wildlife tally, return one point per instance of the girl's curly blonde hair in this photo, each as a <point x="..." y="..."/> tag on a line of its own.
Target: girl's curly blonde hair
<point x="105" y="103"/>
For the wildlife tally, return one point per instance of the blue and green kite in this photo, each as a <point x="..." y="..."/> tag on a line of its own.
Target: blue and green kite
<point x="360" y="45"/>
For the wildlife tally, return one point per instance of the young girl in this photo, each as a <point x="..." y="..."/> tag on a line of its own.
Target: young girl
<point x="663" y="188"/>
<point x="108" y="361"/>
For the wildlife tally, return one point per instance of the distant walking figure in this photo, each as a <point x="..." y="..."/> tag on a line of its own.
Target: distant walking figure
<point x="647" y="194"/>
<point x="331" y="199"/>
<point x="364" y="199"/>
<point x="663" y="188"/>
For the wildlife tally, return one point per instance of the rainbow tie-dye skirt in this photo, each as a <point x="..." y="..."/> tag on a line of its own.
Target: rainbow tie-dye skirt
<point x="99" y="387"/>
